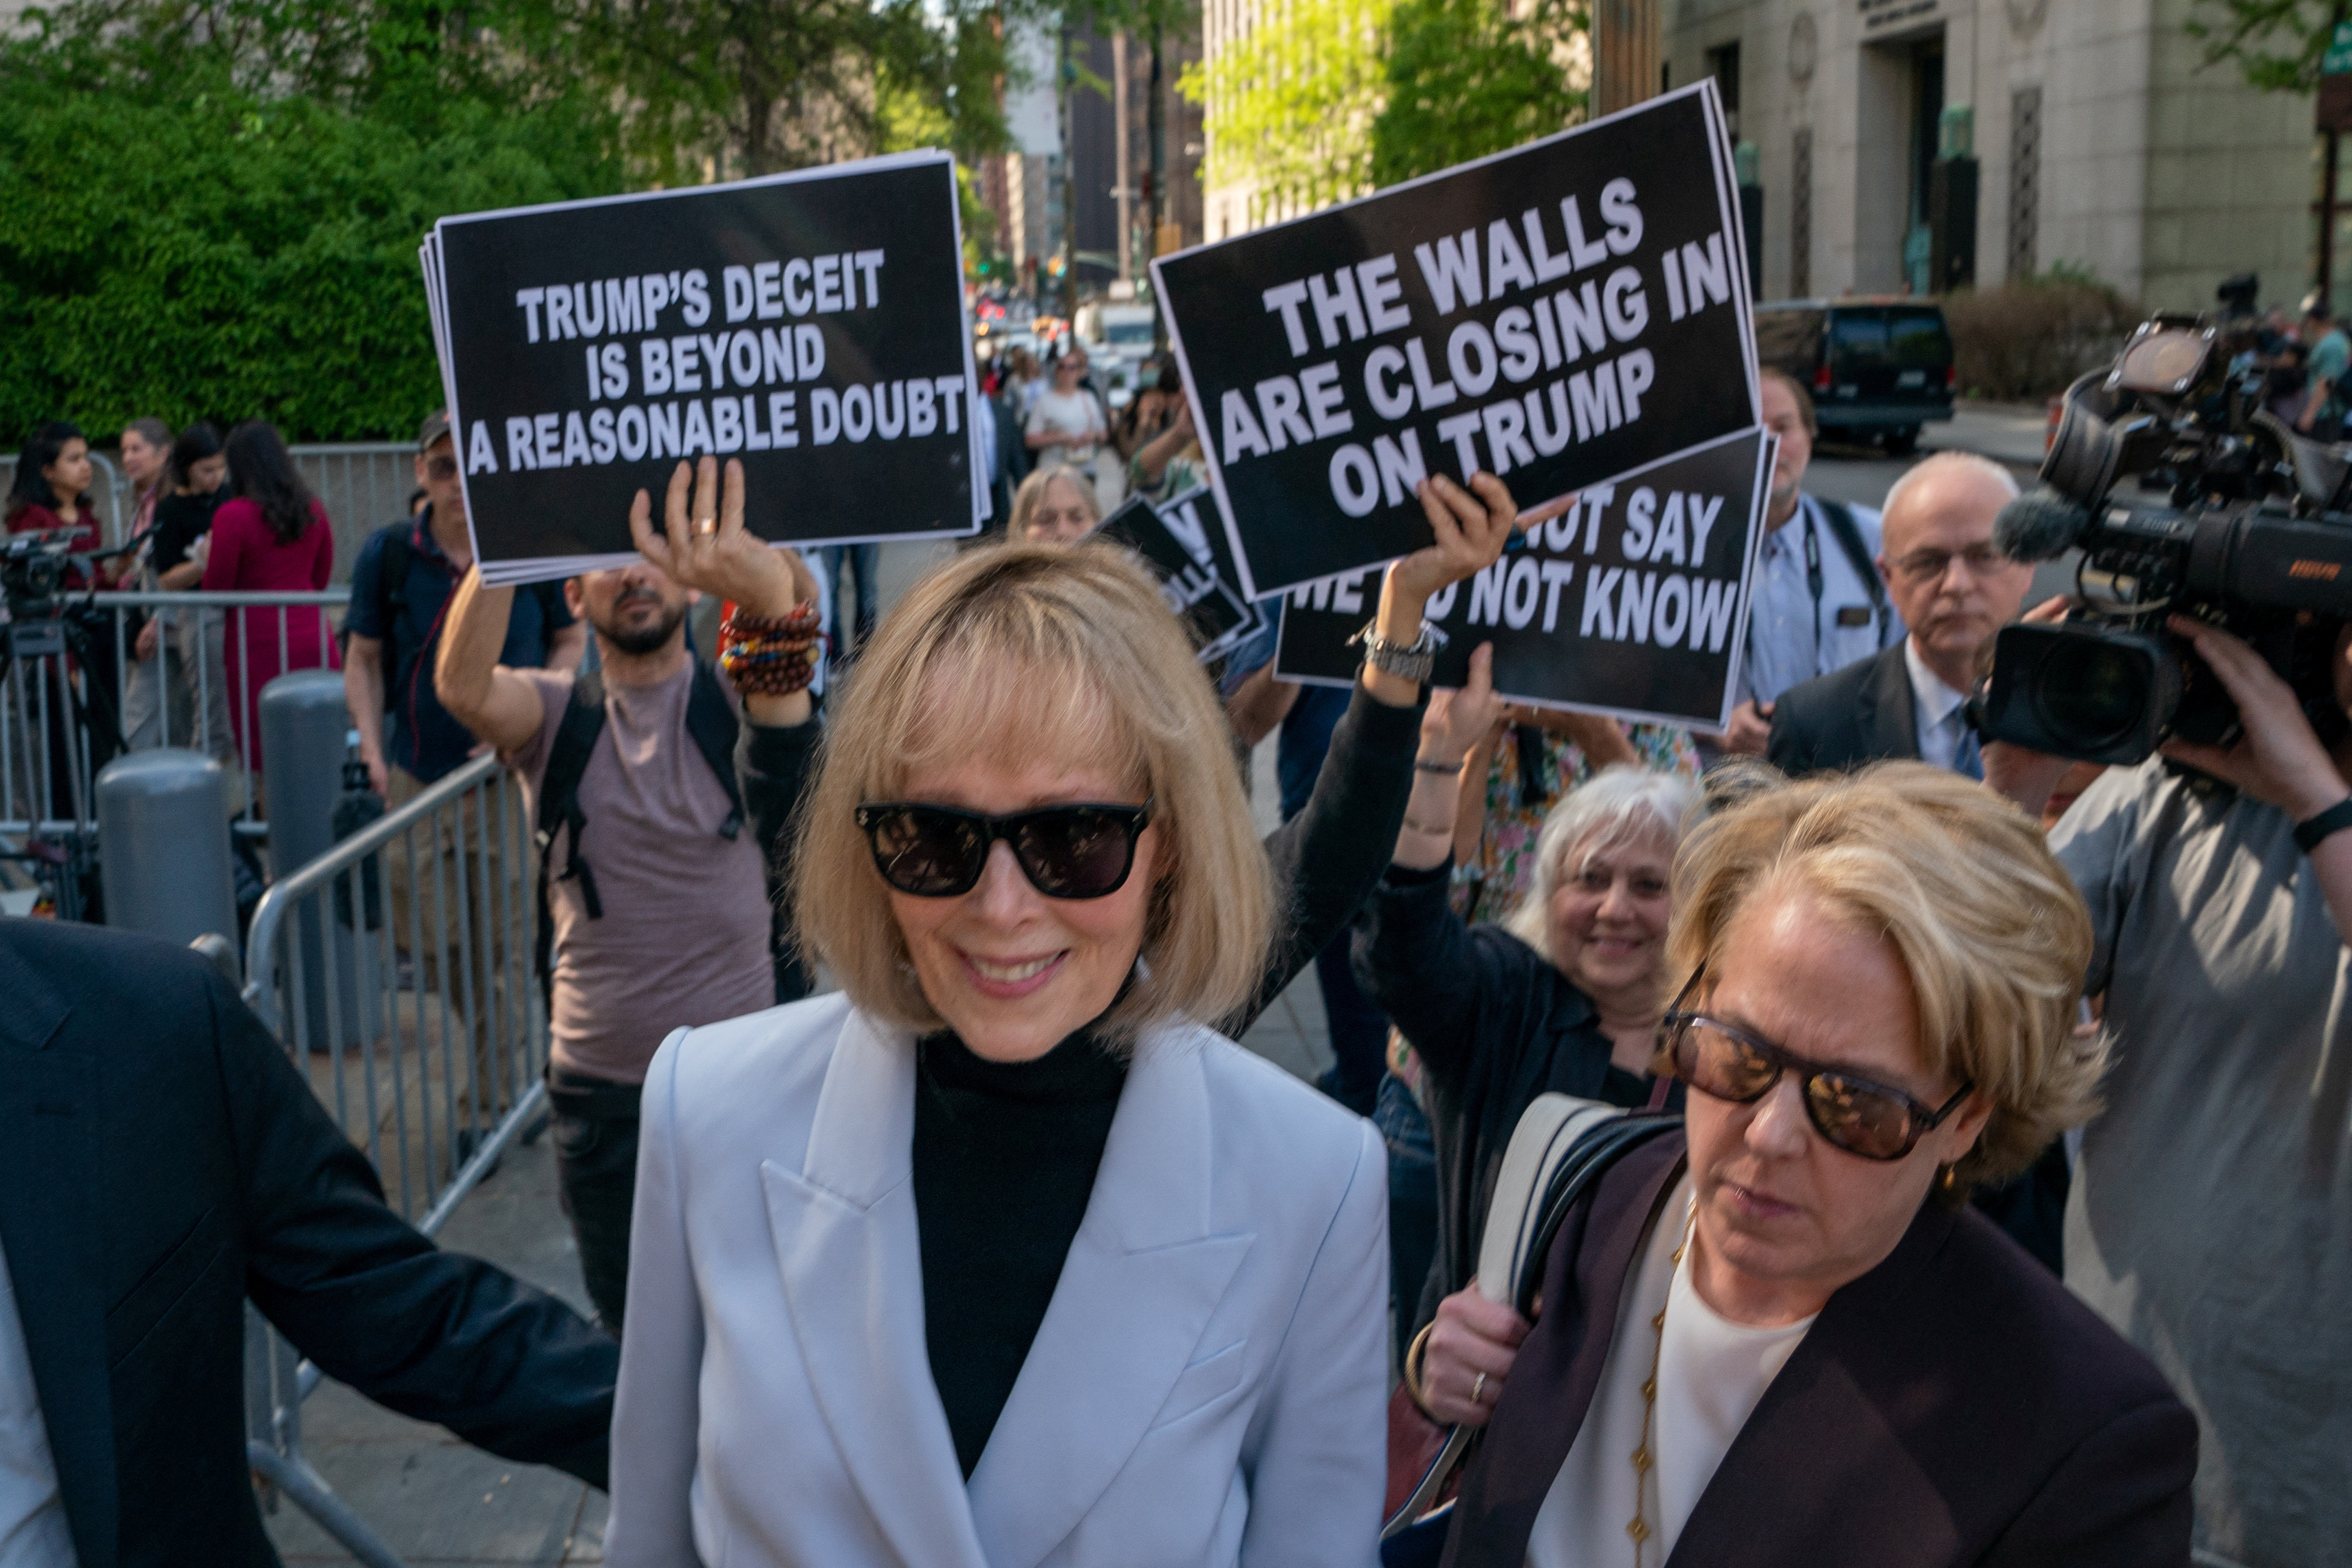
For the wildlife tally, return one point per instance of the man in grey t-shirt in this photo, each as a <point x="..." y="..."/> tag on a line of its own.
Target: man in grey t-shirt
<point x="2210" y="1219"/>
<point x="677" y="929"/>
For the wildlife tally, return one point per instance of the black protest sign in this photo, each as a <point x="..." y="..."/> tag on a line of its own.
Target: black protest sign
<point x="1556" y="315"/>
<point x="1186" y="549"/>
<point x="1634" y="603"/>
<point x="811" y="324"/>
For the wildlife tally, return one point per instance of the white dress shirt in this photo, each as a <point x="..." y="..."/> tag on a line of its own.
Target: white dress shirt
<point x="1794" y="635"/>
<point x="33" y="1532"/>
<point x="1942" y="727"/>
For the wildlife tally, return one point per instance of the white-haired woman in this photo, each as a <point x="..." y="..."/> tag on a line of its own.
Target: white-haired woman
<point x="1564" y="996"/>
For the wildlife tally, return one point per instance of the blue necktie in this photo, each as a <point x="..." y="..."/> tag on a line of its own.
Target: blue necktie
<point x="1968" y="757"/>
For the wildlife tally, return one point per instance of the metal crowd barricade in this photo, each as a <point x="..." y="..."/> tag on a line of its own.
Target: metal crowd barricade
<point x="362" y="484"/>
<point x="54" y="707"/>
<point x="397" y="971"/>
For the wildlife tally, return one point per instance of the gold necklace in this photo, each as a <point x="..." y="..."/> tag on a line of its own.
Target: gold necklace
<point x="1643" y="1460"/>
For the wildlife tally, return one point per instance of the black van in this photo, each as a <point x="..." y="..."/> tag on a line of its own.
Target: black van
<point x="1877" y="368"/>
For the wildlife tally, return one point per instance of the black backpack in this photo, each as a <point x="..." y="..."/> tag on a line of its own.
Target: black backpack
<point x="710" y="721"/>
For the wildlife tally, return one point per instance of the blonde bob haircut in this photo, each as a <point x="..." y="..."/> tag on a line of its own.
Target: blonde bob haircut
<point x="1985" y="921"/>
<point x="1023" y="654"/>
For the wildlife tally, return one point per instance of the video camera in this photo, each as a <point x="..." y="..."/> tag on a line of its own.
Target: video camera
<point x="33" y="568"/>
<point x="2247" y="531"/>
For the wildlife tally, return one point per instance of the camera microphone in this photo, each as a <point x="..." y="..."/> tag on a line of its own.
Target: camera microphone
<point x="2040" y="525"/>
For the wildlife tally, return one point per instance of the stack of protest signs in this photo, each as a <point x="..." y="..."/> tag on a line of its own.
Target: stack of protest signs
<point x="810" y="324"/>
<point x="1184" y="542"/>
<point x="1573" y="317"/>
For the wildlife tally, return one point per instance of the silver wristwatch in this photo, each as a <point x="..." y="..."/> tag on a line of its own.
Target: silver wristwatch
<point x="1407" y="661"/>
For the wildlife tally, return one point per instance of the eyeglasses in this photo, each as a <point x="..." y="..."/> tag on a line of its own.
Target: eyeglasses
<point x="1870" y="1120"/>
<point x="1929" y="565"/>
<point x="441" y="466"/>
<point x="1066" y="851"/>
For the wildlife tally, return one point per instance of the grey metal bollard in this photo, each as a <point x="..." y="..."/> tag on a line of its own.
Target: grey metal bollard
<point x="164" y="854"/>
<point x="304" y="721"/>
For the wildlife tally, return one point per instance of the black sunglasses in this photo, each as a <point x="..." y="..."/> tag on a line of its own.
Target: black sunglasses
<point x="1726" y="1062"/>
<point x="1067" y="851"/>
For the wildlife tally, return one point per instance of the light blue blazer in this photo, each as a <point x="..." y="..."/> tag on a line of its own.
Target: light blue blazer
<point x="1208" y="1386"/>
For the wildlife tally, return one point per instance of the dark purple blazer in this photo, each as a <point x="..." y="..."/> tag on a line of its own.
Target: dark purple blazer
<point x="1953" y="1406"/>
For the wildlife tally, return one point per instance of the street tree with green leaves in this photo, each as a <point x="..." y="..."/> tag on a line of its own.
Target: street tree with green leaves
<point x="2276" y="44"/>
<point x="1467" y="77"/>
<point x="214" y="209"/>
<point x="1291" y="105"/>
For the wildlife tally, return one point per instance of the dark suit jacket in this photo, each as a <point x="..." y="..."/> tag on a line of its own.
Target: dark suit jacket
<point x="1862" y="714"/>
<point x="1953" y="1406"/>
<point x="161" y="1160"/>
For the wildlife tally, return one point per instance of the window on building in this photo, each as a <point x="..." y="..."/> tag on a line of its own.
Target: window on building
<point x="2024" y="179"/>
<point x="1800" y="214"/>
<point x="1723" y="64"/>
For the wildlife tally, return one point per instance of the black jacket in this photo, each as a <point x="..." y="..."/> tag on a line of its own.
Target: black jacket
<point x="1495" y="1024"/>
<point x="161" y="1160"/>
<point x="1328" y="858"/>
<point x="1862" y="714"/>
<point x="1955" y="1406"/>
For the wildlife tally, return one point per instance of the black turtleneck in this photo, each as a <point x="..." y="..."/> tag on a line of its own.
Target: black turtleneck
<point x="1005" y="1154"/>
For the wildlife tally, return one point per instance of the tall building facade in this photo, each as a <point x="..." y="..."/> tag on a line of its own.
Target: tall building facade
<point x="2100" y="142"/>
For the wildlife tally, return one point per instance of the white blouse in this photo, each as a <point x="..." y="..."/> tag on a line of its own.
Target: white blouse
<point x="1711" y="1374"/>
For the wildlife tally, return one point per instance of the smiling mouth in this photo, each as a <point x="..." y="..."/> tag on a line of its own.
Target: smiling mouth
<point x="1008" y="980"/>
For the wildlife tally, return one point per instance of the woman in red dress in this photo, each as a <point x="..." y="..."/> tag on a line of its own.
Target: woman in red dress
<point x="272" y="538"/>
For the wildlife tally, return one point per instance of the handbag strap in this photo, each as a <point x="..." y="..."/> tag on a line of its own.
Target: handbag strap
<point x="1559" y="1151"/>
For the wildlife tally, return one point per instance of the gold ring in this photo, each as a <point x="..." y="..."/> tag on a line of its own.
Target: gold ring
<point x="706" y="525"/>
<point x="1477" y="1388"/>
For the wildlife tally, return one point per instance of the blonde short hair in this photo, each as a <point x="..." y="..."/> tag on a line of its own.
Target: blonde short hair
<point x="1622" y="802"/>
<point x="1019" y="653"/>
<point x="1986" y="923"/>
<point x="1026" y="499"/>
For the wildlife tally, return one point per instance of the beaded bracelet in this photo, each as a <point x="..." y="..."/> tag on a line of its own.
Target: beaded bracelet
<point x="769" y="656"/>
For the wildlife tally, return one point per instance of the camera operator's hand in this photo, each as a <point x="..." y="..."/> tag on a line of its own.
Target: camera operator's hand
<point x="2028" y="777"/>
<point x="2278" y="761"/>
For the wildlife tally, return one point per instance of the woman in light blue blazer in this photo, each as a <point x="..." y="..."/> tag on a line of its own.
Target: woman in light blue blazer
<point x="999" y="1258"/>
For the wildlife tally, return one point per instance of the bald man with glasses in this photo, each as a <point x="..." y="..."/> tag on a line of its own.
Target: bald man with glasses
<point x="1954" y="591"/>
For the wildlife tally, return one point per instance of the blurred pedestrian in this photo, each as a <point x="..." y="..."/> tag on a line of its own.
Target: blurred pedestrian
<point x="270" y="536"/>
<point x="1158" y="398"/>
<point x="1067" y="423"/>
<point x="179" y="691"/>
<point x="2329" y="357"/>
<point x="1776" y="1337"/>
<point x="51" y="493"/>
<point x="842" y="561"/>
<point x="1817" y="603"/>
<point x="1171" y="463"/>
<point x="1054" y="505"/>
<point x="146" y="454"/>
